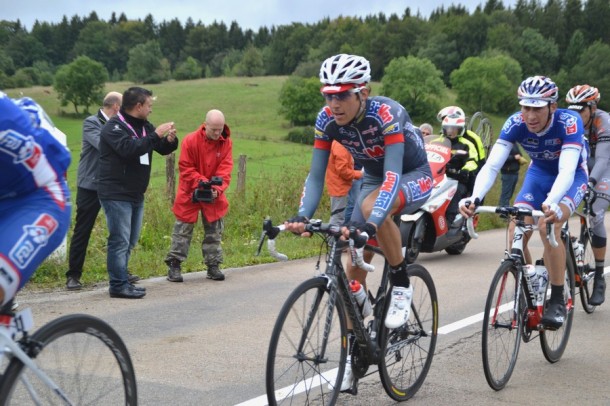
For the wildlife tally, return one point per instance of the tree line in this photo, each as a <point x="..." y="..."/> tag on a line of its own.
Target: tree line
<point x="565" y="39"/>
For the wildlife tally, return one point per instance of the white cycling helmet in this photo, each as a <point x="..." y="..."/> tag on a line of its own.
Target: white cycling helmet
<point x="537" y="91"/>
<point x="343" y="72"/>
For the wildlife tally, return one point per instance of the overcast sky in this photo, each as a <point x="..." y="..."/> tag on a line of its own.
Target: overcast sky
<point x="248" y="13"/>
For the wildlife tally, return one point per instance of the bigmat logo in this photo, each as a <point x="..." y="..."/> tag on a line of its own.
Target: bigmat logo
<point x="387" y="190"/>
<point x="35" y="236"/>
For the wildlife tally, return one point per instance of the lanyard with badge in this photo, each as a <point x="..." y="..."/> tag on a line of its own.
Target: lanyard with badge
<point x="144" y="158"/>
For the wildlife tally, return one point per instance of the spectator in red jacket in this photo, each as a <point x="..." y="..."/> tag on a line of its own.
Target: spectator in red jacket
<point x="205" y="166"/>
<point x="340" y="174"/>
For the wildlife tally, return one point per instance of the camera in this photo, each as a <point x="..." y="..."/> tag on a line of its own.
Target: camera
<point x="203" y="193"/>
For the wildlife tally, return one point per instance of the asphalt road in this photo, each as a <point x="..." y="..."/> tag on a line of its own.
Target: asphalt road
<point x="204" y="342"/>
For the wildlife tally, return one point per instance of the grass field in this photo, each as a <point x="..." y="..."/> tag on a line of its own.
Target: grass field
<point x="275" y="173"/>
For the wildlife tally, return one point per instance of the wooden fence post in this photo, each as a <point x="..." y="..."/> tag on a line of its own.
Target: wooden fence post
<point x="241" y="176"/>
<point x="170" y="175"/>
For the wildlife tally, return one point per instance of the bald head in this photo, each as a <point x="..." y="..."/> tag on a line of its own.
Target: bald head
<point x="112" y="103"/>
<point x="214" y="124"/>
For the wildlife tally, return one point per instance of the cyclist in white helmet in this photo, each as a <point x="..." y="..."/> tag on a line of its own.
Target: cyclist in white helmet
<point x="584" y="99"/>
<point x="379" y="134"/>
<point x="555" y="181"/>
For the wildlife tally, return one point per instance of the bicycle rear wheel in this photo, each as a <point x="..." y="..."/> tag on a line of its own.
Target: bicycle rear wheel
<point x="84" y="356"/>
<point x="308" y="347"/>
<point x="554" y="342"/>
<point x="502" y="327"/>
<point x="585" y="274"/>
<point x="409" y="349"/>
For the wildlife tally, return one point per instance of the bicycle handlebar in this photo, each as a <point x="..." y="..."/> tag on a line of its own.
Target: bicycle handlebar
<point x="511" y="211"/>
<point x="356" y="241"/>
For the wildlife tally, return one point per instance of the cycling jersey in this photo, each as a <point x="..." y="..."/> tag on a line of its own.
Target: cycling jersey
<point x="34" y="196"/>
<point x="384" y="141"/>
<point x="599" y="143"/>
<point x="556" y="151"/>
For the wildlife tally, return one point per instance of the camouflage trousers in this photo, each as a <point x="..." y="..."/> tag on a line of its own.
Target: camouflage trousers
<point x="210" y="247"/>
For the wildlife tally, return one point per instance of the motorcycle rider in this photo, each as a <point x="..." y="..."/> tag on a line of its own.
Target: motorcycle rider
<point x="464" y="163"/>
<point x="584" y="99"/>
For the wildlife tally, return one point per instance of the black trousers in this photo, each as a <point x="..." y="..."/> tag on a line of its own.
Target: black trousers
<point x="87" y="208"/>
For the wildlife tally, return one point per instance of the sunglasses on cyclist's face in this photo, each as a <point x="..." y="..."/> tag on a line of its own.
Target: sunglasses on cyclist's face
<point x="342" y="96"/>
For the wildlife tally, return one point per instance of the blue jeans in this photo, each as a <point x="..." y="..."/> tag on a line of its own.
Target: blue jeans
<point x="124" y="221"/>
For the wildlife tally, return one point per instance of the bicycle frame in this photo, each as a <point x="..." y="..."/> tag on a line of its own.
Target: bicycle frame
<point x="516" y="255"/>
<point x="336" y="276"/>
<point x="10" y="347"/>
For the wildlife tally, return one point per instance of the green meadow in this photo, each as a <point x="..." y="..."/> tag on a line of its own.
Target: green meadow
<point x="275" y="171"/>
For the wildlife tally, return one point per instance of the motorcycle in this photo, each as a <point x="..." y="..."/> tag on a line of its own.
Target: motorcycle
<point x="427" y="230"/>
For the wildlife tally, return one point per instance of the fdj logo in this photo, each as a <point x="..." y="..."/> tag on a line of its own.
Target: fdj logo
<point x="35" y="236"/>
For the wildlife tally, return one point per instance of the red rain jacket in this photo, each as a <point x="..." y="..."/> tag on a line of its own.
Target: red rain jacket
<point x="200" y="159"/>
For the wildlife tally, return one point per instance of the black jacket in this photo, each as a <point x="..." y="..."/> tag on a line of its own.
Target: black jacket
<point x="512" y="165"/>
<point x="121" y="173"/>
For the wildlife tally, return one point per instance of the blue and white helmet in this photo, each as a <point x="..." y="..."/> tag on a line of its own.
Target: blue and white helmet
<point x="40" y="118"/>
<point x="537" y="91"/>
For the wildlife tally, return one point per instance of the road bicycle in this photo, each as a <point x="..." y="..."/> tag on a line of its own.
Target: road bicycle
<point x="515" y="304"/>
<point x="73" y="360"/>
<point x="309" y="344"/>
<point x="583" y="252"/>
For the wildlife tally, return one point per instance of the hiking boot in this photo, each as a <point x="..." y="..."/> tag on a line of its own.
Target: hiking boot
<point x="599" y="291"/>
<point x="554" y="315"/>
<point x="73" y="283"/>
<point x="400" y="307"/>
<point x="215" y="274"/>
<point x="131" y="278"/>
<point x="173" y="271"/>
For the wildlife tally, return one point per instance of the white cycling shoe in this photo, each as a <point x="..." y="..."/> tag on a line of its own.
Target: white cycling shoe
<point x="348" y="377"/>
<point x="400" y="307"/>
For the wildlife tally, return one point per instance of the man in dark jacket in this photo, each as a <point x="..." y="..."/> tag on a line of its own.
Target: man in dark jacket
<point x="126" y="144"/>
<point x="87" y="201"/>
<point x="510" y="175"/>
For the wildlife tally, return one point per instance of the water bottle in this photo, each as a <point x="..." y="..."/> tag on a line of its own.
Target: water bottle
<point x="542" y="276"/>
<point x="532" y="279"/>
<point x="579" y="253"/>
<point x="361" y="298"/>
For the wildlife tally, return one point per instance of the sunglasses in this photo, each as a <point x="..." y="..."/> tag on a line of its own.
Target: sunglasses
<point x="339" y="96"/>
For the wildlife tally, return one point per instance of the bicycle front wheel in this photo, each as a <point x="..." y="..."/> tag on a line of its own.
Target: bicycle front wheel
<point x="584" y="276"/>
<point x="85" y="358"/>
<point x="554" y="342"/>
<point x="308" y="347"/>
<point x="409" y="349"/>
<point x="502" y="327"/>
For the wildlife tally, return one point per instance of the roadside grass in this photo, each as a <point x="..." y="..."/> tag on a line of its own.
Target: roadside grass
<point x="275" y="172"/>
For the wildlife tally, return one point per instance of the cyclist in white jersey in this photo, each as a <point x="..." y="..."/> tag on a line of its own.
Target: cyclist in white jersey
<point x="584" y="99"/>
<point x="556" y="180"/>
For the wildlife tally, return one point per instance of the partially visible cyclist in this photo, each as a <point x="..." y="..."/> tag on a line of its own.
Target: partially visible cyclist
<point x="584" y="99"/>
<point x="379" y="134"/>
<point x="34" y="197"/>
<point x="464" y="163"/>
<point x="555" y="181"/>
